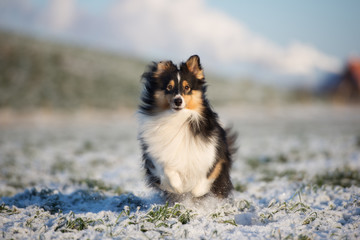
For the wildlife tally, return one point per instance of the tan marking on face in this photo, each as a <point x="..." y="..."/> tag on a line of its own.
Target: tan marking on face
<point x="170" y="85"/>
<point x="193" y="101"/>
<point x="184" y="84"/>
<point x="216" y="171"/>
<point x="162" y="100"/>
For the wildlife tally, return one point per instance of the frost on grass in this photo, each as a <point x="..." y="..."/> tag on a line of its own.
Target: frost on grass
<point x="309" y="212"/>
<point x="295" y="179"/>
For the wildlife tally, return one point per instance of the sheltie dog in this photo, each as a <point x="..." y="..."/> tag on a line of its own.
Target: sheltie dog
<point x="185" y="150"/>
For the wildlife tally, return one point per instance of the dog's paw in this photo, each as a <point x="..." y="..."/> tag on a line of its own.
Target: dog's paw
<point x="172" y="182"/>
<point x="176" y="183"/>
<point x="165" y="184"/>
<point x="202" y="188"/>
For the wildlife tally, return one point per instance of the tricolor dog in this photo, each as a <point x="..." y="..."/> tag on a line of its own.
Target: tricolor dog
<point x="185" y="149"/>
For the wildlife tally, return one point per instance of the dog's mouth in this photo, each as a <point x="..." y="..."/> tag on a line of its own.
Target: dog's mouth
<point x="177" y="108"/>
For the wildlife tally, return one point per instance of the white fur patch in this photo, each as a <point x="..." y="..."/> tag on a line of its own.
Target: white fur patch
<point x="181" y="159"/>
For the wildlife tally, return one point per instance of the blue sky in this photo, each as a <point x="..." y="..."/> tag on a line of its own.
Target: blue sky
<point x="276" y="41"/>
<point x="330" y="25"/>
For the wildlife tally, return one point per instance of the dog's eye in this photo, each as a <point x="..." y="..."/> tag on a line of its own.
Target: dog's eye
<point x="169" y="87"/>
<point x="187" y="88"/>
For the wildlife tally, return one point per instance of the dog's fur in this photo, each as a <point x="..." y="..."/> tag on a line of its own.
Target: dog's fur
<point x="185" y="149"/>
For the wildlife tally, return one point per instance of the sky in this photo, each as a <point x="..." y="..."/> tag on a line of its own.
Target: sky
<point x="283" y="42"/>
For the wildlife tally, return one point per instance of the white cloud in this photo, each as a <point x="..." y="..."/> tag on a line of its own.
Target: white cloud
<point x="60" y="14"/>
<point x="178" y="28"/>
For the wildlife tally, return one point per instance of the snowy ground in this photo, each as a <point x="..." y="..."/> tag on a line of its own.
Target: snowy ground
<point x="296" y="176"/>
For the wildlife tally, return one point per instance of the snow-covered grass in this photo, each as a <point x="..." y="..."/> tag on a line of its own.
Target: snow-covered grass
<point x="296" y="176"/>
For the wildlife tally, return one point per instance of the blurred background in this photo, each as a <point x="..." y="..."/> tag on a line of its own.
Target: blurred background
<point x="284" y="74"/>
<point x="71" y="55"/>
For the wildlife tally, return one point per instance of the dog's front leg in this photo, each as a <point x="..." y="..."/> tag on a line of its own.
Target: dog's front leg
<point x="173" y="179"/>
<point x="202" y="187"/>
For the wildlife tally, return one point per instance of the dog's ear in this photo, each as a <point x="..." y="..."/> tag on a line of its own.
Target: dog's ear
<point x="162" y="67"/>
<point x="194" y="66"/>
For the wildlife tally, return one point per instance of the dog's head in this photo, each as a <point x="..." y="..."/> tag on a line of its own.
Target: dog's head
<point x="176" y="88"/>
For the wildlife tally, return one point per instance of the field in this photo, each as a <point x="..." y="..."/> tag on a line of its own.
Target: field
<point x="79" y="176"/>
<point x="53" y="75"/>
<point x="70" y="164"/>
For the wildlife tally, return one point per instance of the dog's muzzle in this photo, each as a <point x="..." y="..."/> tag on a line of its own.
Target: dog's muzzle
<point x="178" y="103"/>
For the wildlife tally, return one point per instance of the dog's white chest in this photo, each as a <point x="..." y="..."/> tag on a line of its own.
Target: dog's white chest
<point x="174" y="149"/>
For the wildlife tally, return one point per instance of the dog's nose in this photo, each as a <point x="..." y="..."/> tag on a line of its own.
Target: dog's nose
<point x="178" y="102"/>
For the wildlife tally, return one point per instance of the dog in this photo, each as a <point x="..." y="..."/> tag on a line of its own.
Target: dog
<point x="185" y="150"/>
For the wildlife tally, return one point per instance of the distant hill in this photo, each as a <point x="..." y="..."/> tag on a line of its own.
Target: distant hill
<point x="39" y="73"/>
<point x="36" y="73"/>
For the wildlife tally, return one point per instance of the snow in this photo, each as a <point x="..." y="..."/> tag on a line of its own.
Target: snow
<point x="244" y="219"/>
<point x="80" y="177"/>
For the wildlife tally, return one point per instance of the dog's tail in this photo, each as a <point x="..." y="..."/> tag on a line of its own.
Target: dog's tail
<point x="231" y="140"/>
